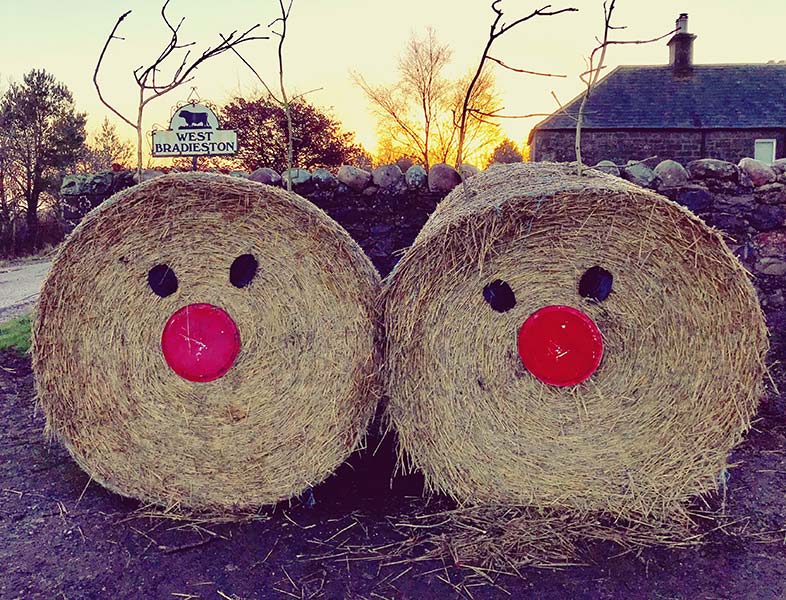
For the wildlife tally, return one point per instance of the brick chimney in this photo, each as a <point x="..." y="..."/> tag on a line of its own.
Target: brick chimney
<point x="681" y="48"/>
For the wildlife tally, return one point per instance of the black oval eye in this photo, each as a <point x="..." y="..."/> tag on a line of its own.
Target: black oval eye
<point x="162" y="280"/>
<point x="595" y="284"/>
<point x="499" y="295"/>
<point x="242" y="271"/>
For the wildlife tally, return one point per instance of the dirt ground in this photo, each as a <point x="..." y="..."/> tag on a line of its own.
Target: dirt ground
<point x="63" y="538"/>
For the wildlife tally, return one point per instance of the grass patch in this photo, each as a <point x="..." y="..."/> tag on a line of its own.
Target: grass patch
<point x="15" y="334"/>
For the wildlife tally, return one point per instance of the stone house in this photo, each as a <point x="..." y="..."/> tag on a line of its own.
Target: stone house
<point x="681" y="111"/>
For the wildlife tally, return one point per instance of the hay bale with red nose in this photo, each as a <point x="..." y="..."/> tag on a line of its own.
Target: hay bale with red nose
<point x="208" y="343"/>
<point x="570" y="342"/>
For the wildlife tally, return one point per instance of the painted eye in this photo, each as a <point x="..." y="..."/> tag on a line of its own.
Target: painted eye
<point x="499" y="296"/>
<point x="243" y="269"/>
<point x="162" y="280"/>
<point x="595" y="284"/>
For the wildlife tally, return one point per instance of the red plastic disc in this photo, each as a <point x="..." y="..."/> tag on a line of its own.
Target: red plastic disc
<point x="560" y="345"/>
<point x="200" y="342"/>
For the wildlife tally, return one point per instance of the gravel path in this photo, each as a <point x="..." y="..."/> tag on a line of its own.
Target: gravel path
<point x="20" y="285"/>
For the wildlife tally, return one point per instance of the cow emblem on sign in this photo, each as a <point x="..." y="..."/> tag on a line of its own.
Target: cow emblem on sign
<point x="194" y="130"/>
<point x="193" y="119"/>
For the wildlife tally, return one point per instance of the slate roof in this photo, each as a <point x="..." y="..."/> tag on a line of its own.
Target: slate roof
<point x="739" y="96"/>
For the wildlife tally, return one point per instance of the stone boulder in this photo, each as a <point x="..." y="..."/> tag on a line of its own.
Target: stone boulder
<point x="759" y="172"/>
<point x="299" y="176"/>
<point x="671" y="174"/>
<point x="354" y="178"/>
<point x="467" y="171"/>
<point x="416" y="177"/>
<point x="771" y="244"/>
<point x="100" y="183"/>
<point x="711" y="168"/>
<point x="122" y="180"/>
<point x="323" y="180"/>
<point x="770" y="266"/>
<point x="771" y="193"/>
<point x="744" y="183"/>
<point x="442" y="178"/>
<point x="266" y="175"/>
<point x="404" y="163"/>
<point x="147" y="174"/>
<point x="735" y="202"/>
<point x="607" y="166"/>
<point x="729" y="223"/>
<point x="387" y="176"/>
<point x="767" y="217"/>
<point x="779" y="166"/>
<point x="639" y="173"/>
<point x="73" y="184"/>
<point x="693" y="197"/>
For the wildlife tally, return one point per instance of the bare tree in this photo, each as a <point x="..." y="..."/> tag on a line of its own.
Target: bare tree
<point x="482" y="131"/>
<point x="105" y="150"/>
<point x="595" y="65"/>
<point x="505" y="153"/>
<point x="146" y="77"/>
<point x="418" y="114"/>
<point x="497" y="29"/>
<point x="422" y="89"/>
<point x="284" y="101"/>
<point x="9" y="204"/>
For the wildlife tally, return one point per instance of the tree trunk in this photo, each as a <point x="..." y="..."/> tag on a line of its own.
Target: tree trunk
<point x="139" y="115"/>
<point x="577" y="145"/>
<point x="290" y="139"/>
<point x="5" y="218"/>
<point x="31" y="217"/>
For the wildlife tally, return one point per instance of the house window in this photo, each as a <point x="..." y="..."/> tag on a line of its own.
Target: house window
<point x="764" y="150"/>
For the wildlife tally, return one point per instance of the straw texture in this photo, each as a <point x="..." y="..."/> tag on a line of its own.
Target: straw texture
<point x="684" y="341"/>
<point x="301" y="392"/>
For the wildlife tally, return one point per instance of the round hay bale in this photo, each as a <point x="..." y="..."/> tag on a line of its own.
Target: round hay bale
<point x="208" y="342"/>
<point x="634" y="420"/>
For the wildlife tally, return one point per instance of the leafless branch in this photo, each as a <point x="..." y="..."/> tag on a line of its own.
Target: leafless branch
<point x="591" y="75"/>
<point x="265" y="85"/>
<point x="619" y="43"/>
<point x="256" y="73"/>
<point x="385" y="102"/>
<point x="304" y="94"/>
<point x="540" y="12"/>
<point x="496" y="115"/>
<point x="111" y="37"/>
<point x="525" y="71"/>
<point x="287" y="104"/>
<point x="496" y="30"/>
<point x="146" y="77"/>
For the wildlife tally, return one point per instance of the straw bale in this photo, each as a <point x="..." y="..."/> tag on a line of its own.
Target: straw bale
<point x="304" y="385"/>
<point x="684" y="347"/>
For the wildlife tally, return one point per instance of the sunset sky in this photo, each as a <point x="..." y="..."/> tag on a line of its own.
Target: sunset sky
<point x="328" y="38"/>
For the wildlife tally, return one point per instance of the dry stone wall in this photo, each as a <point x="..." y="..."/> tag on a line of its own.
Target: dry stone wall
<point x="385" y="209"/>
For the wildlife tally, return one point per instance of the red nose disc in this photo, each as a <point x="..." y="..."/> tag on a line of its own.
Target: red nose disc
<point x="200" y="342"/>
<point x="560" y="345"/>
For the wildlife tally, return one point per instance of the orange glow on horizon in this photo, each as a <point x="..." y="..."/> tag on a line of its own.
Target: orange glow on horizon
<point x="327" y="40"/>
